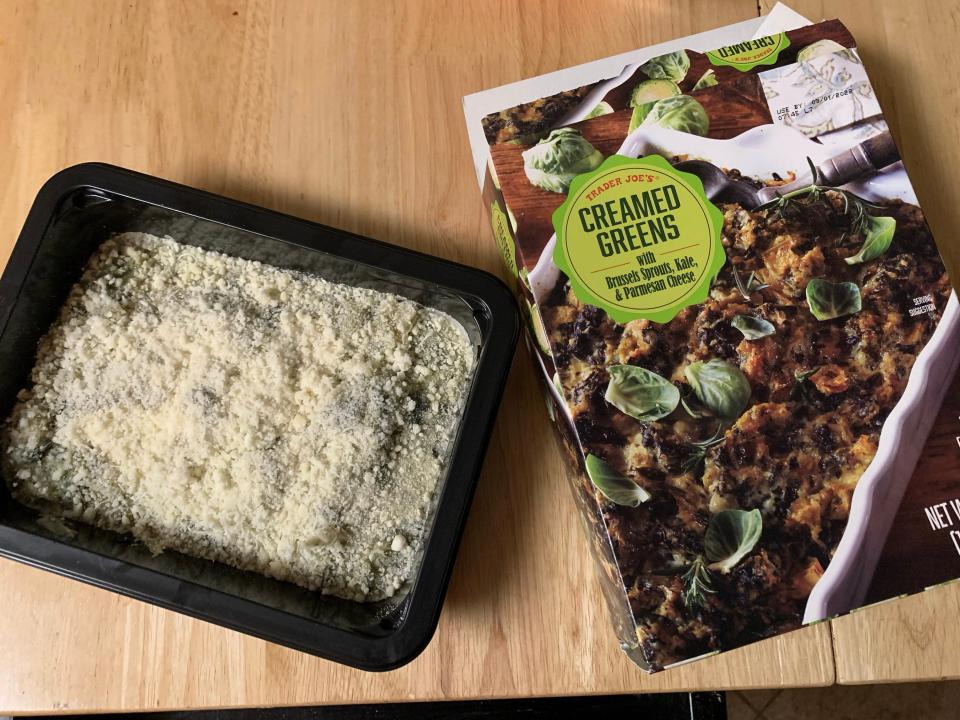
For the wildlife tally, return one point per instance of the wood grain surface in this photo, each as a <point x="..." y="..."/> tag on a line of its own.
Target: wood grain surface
<point x="349" y="114"/>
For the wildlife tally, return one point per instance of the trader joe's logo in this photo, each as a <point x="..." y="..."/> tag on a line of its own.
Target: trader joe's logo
<point x="748" y="54"/>
<point x="639" y="239"/>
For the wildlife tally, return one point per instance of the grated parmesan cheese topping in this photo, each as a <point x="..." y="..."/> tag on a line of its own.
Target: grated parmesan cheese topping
<point x="234" y="411"/>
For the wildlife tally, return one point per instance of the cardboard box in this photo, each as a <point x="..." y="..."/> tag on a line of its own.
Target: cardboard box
<point x="743" y="324"/>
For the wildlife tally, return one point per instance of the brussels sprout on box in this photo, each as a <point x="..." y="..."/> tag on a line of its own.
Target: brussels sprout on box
<point x="681" y="113"/>
<point x="649" y="91"/>
<point x="721" y="386"/>
<point x="828" y="300"/>
<point x="645" y="95"/>
<point x="708" y="79"/>
<point x="672" y="66"/>
<point x="604" y="108"/>
<point x="555" y="161"/>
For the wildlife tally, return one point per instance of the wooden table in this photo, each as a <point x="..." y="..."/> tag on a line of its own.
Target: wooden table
<point x="349" y="114"/>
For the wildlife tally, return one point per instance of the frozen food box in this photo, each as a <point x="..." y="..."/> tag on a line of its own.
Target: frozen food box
<point x="745" y="332"/>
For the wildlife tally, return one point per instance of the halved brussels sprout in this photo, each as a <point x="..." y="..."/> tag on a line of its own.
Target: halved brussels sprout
<point x="645" y="95"/>
<point x="649" y="91"/>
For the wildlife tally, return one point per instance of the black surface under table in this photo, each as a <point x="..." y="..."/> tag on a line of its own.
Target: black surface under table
<point x="667" y="706"/>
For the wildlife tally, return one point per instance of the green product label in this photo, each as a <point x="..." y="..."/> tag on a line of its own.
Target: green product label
<point x="501" y="231"/>
<point x="748" y="54"/>
<point x="639" y="239"/>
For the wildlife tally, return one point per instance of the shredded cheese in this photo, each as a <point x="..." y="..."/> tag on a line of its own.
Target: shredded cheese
<point x="243" y="413"/>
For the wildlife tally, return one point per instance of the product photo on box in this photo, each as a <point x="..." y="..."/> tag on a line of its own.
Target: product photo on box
<point x="743" y="325"/>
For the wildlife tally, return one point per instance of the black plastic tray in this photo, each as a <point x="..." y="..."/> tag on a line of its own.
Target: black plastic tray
<point x="75" y="211"/>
